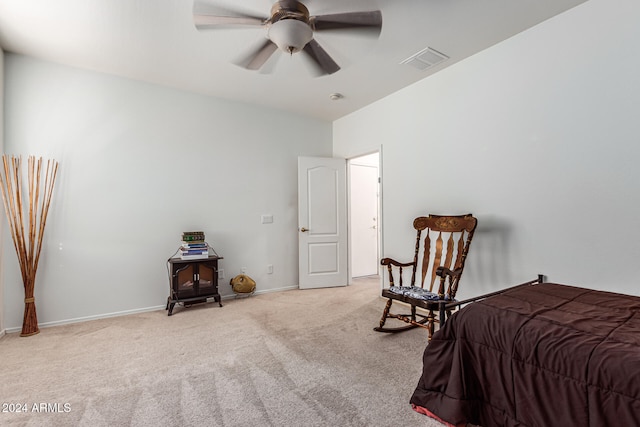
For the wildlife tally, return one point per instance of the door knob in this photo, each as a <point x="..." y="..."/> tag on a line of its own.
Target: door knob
<point x="303" y="229"/>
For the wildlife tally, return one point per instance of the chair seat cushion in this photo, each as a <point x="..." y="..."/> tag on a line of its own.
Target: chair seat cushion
<point x="415" y="292"/>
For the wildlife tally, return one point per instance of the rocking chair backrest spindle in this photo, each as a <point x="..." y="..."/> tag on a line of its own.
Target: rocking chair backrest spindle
<point x="446" y="244"/>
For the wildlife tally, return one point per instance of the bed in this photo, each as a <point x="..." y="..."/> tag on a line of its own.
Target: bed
<point x="536" y="355"/>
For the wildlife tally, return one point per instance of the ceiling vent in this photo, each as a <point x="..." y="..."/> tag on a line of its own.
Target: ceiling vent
<point x="426" y="58"/>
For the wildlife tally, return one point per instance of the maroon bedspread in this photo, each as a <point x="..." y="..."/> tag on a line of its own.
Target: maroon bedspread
<point x="541" y="355"/>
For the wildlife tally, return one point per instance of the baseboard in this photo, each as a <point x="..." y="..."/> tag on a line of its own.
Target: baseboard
<point x="88" y="318"/>
<point x="127" y="312"/>
<point x="268" y="291"/>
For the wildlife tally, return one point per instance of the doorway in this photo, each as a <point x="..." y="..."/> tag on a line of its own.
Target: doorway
<point x="364" y="215"/>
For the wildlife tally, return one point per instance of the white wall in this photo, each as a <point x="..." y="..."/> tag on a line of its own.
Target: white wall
<point x="537" y="136"/>
<point x="139" y="164"/>
<point x="2" y="224"/>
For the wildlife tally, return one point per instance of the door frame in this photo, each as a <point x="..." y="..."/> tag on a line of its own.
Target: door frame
<point x="380" y="212"/>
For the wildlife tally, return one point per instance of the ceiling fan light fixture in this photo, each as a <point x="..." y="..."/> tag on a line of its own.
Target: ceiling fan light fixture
<point x="290" y="35"/>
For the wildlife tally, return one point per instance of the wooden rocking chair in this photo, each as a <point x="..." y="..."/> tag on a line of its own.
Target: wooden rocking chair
<point x="444" y="242"/>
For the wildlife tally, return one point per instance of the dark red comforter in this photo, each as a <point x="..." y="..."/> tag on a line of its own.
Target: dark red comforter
<point x="541" y="355"/>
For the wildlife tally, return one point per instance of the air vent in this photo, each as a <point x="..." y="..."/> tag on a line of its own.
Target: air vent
<point x="426" y="58"/>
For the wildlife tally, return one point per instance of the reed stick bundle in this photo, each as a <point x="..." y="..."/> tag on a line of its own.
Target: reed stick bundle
<point x="27" y="227"/>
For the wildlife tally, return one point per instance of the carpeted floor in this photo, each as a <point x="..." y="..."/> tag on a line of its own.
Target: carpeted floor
<point x="294" y="358"/>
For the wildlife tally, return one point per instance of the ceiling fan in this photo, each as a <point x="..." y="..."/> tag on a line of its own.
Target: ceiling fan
<point x="290" y="28"/>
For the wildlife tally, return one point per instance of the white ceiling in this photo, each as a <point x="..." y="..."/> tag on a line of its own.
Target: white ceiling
<point x="155" y="41"/>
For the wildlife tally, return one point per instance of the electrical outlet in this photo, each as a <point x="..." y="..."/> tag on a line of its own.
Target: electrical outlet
<point x="270" y="268"/>
<point x="244" y="270"/>
<point x="221" y="274"/>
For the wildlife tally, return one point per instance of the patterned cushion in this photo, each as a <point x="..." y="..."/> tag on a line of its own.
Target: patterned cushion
<point x="417" y="293"/>
<point x="414" y="292"/>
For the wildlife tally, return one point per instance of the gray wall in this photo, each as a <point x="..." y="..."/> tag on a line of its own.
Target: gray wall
<point x="139" y="164"/>
<point x="3" y="224"/>
<point x="538" y="136"/>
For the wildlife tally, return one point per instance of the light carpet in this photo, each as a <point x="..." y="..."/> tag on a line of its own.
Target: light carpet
<point x="293" y="358"/>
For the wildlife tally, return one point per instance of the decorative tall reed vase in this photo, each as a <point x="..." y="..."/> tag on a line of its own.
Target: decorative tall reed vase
<point x="27" y="215"/>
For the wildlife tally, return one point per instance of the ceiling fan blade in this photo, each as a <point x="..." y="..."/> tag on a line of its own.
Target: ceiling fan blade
<point x="371" y="21"/>
<point x="206" y="16"/>
<point x="259" y="56"/>
<point x="206" y="22"/>
<point x="321" y="57"/>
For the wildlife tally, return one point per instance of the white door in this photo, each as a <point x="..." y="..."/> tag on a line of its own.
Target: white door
<point x="363" y="182"/>
<point x="322" y="222"/>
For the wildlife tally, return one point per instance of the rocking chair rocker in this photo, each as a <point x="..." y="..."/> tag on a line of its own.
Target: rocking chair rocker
<point x="444" y="250"/>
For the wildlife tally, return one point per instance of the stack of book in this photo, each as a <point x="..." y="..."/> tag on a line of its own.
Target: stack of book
<point x="193" y="245"/>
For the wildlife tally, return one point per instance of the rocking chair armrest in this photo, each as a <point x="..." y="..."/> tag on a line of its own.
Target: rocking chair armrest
<point x="454" y="277"/>
<point x="446" y="272"/>
<point x="390" y="261"/>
